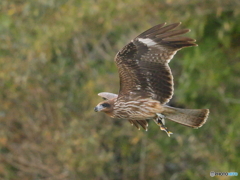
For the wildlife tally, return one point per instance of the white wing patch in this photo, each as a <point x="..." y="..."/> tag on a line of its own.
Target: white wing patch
<point x="147" y="41"/>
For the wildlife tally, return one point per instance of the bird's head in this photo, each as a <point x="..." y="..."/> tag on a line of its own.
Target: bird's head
<point x="105" y="106"/>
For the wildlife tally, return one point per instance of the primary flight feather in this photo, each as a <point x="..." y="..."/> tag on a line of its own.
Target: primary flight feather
<point x="146" y="81"/>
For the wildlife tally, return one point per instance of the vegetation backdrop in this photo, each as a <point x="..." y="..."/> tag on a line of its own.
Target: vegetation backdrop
<point x="56" y="55"/>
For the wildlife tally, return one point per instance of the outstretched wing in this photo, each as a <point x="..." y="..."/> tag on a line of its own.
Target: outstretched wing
<point x="143" y="63"/>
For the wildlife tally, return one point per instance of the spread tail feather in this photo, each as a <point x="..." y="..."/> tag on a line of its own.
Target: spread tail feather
<point x="194" y="118"/>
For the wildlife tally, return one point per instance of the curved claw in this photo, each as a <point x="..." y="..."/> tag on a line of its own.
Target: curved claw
<point x="161" y="122"/>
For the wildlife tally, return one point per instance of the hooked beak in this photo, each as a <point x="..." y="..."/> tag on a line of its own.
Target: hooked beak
<point x="98" y="108"/>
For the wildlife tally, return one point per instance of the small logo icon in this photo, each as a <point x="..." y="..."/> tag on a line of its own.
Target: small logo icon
<point x="212" y="173"/>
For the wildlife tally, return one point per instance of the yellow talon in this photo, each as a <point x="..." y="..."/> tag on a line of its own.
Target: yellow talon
<point x="166" y="130"/>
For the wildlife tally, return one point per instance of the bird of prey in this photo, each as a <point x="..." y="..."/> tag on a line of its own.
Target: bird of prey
<point x="146" y="81"/>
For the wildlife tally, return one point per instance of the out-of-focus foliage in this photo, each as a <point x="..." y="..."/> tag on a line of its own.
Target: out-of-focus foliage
<point x="56" y="55"/>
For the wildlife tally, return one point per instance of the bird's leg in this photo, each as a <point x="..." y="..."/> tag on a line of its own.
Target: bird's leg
<point x="161" y="122"/>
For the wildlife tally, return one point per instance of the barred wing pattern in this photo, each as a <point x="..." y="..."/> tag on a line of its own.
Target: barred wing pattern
<point x="143" y="63"/>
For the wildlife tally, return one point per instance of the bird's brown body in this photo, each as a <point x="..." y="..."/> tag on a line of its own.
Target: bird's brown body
<point x="140" y="109"/>
<point x="146" y="81"/>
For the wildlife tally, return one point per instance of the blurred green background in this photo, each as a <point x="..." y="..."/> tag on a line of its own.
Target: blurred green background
<point x="56" y="55"/>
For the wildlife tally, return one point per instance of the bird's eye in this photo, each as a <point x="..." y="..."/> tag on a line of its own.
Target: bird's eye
<point x="105" y="105"/>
